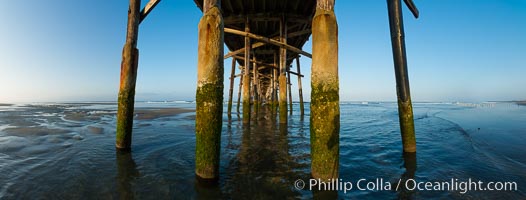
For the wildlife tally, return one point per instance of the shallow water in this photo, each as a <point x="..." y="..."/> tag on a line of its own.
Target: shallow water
<point x="67" y="151"/>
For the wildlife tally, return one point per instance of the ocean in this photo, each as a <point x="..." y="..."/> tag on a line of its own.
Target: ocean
<point x="67" y="151"/>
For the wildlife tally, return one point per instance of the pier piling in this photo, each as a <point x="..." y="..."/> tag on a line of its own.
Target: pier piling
<point x="246" y="77"/>
<point x="231" y="90"/>
<point x="129" y="65"/>
<point x="405" y="108"/>
<point x="239" y="91"/>
<point x="290" y="93"/>
<point x="209" y="95"/>
<point x="300" y="90"/>
<point x="255" y="86"/>
<point x="275" y="80"/>
<point x="282" y="75"/>
<point x="325" y="110"/>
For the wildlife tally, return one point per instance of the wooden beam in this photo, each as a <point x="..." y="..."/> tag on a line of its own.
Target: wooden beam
<point x="148" y="8"/>
<point x="265" y="65"/>
<point x="254" y="61"/>
<point x="268" y="40"/>
<point x="238" y="19"/>
<point x="260" y="44"/>
<point x="295" y="73"/>
<point x="233" y="53"/>
<point x="298" y="33"/>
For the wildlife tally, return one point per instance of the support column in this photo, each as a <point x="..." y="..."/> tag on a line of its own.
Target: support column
<point x="209" y="96"/>
<point x="290" y="93"/>
<point x="272" y="87"/>
<point x="246" y="77"/>
<point x="239" y="91"/>
<point x="275" y="103"/>
<point x="282" y="75"/>
<point x="231" y="91"/>
<point x="300" y="91"/>
<point x="255" y="84"/>
<point x="325" y="109"/>
<point x="405" y="108"/>
<point x="129" y="65"/>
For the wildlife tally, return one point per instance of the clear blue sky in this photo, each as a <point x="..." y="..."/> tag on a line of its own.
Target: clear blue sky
<point x="62" y="50"/>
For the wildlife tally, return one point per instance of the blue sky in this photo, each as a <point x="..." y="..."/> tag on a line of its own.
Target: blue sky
<point x="61" y="50"/>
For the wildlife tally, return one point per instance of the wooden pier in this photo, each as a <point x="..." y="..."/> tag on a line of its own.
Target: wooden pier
<point x="264" y="40"/>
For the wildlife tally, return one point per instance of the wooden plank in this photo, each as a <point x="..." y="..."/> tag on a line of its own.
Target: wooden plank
<point x="148" y="8"/>
<point x="268" y="40"/>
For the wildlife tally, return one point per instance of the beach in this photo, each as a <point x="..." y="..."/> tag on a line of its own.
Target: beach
<point x="67" y="151"/>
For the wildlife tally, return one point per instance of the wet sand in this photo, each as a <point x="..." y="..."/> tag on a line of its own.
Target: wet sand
<point x="154" y="113"/>
<point x="140" y="114"/>
<point x="44" y="155"/>
<point x="33" y="131"/>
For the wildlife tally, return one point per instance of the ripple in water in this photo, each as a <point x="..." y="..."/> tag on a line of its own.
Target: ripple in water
<point x="66" y="151"/>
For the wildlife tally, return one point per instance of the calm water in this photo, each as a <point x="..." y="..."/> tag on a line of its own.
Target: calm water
<point x="66" y="151"/>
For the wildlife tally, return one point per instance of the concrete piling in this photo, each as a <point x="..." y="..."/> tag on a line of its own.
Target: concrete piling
<point x="325" y="110"/>
<point x="209" y="96"/>
<point x="129" y="65"/>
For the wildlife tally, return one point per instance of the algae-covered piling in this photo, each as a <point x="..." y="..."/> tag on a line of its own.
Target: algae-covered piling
<point x="405" y="108"/>
<point x="209" y="96"/>
<point x="246" y="77"/>
<point x="129" y="65"/>
<point x="282" y="73"/>
<point x="325" y="110"/>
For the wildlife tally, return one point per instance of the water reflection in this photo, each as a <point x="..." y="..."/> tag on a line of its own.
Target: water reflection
<point x="126" y="174"/>
<point x="410" y="170"/>
<point x="263" y="167"/>
<point x="207" y="189"/>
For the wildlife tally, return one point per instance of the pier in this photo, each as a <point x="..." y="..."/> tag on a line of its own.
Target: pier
<point x="265" y="40"/>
